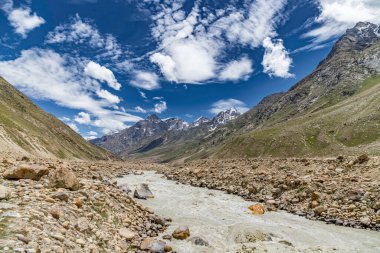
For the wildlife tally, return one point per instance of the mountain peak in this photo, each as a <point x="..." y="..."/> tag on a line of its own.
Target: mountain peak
<point x="153" y="118"/>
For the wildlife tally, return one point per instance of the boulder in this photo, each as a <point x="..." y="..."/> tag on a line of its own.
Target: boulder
<point x="125" y="188"/>
<point x="181" y="233"/>
<point x="198" y="241"/>
<point x="64" y="178"/>
<point x="127" y="234"/>
<point x="257" y="209"/>
<point x="26" y="171"/>
<point x="157" y="247"/>
<point x="4" y="192"/>
<point x="143" y="192"/>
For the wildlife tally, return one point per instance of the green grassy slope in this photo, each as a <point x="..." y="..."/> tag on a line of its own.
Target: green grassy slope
<point x="24" y="126"/>
<point x="350" y="126"/>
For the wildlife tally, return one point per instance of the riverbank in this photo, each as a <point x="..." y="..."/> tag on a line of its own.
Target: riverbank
<point x="344" y="190"/>
<point x="56" y="206"/>
<point x="220" y="222"/>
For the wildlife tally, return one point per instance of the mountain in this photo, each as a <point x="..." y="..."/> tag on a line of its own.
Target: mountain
<point x="154" y="132"/>
<point x="25" y="128"/>
<point x="333" y="110"/>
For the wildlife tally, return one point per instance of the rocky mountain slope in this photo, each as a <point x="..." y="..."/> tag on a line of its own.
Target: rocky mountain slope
<point x="153" y="132"/>
<point x="25" y="128"/>
<point x="333" y="110"/>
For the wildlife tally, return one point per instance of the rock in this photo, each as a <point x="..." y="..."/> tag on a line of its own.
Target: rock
<point x="4" y="192"/>
<point x="362" y="159"/>
<point x="125" y="188"/>
<point x="56" y="213"/>
<point x="257" y="209"/>
<point x="198" y="241"/>
<point x="320" y="209"/>
<point x="143" y="192"/>
<point x="127" y="234"/>
<point x="63" y="196"/>
<point x="167" y="237"/>
<point x="157" y="247"/>
<point x="82" y="224"/>
<point x="64" y="178"/>
<point x="181" y="233"/>
<point x="23" y="239"/>
<point x="168" y="248"/>
<point x="78" y="202"/>
<point x="146" y="243"/>
<point x="314" y="204"/>
<point x="376" y="206"/>
<point x="315" y="196"/>
<point x="26" y="171"/>
<point x="80" y="241"/>
<point x="365" y="221"/>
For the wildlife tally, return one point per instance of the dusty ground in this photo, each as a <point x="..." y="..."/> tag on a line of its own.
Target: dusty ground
<point x="343" y="190"/>
<point x="36" y="217"/>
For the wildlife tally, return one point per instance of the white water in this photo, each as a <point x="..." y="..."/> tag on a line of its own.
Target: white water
<point x="223" y="220"/>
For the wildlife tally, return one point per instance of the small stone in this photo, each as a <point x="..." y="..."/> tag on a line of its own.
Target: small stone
<point x="23" y="239"/>
<point x="315" y="196"/>
<point x="56" y="212"/>
<point x="168" y="248"/>
<point x="181" y="233"/>
<point x="198" y="241"/>
<point x="80" y="241"/>
<point x="365" y="221"/>
<point x="4" y="192"/>
<point x="167" y="237"/>
<point x="143" y="192"/>
<point x="127" y="234"/>
<point x="257" y="209"/>
<point x="63" y="196"/>
<point x="78" y="202"/>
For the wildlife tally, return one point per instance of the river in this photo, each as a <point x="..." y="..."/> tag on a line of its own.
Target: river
<point x="225" y="222"/>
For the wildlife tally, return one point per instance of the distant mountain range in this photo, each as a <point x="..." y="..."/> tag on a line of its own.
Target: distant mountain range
<point x="334" y="110"/>
<point x="26" y="129"/>
<point x="153" y="132"/>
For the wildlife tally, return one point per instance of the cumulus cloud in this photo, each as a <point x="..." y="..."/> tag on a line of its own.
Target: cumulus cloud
<point x="79" y="31"/>
<point x="145" y="80"/>
<point x="160" y="107"/>
<point x="192" y="47"/>
<point x="21" y="19"/>
<point x="236" y="70"/>
<point x="83" y="118"/>
<point x="225" y="104"/>
<point x="276" y="61"/>
<point x="102" y="73"/>
<point x="140" y="109"/>
<point x="336" y="16"/>
<point x="113" y="99"/>
<point x="45" y="74"/>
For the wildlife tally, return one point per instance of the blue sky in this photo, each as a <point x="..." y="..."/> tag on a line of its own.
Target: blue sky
<point x="101" y="65"/>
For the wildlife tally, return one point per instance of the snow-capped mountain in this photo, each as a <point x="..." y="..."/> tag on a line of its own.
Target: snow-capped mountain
<point x="153" y="128"/>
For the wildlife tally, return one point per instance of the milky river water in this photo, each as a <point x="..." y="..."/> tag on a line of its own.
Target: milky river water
<point x="225" y="222"/>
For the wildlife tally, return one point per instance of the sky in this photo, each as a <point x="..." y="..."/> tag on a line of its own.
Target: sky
<point x="102" y="65"/>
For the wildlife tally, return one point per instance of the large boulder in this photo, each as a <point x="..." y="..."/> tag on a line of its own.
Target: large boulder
<point x="4" y="192"/>
<point x="181" y="233"/>
<point x="143" y="192"/>
<point x="64" y="178"/>
<point x="26" y="171"/>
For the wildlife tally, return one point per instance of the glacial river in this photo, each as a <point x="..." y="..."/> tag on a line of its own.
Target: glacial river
<point x="225" y="222"/>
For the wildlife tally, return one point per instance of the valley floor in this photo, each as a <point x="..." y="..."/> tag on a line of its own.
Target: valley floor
<point x="53" y="213"/>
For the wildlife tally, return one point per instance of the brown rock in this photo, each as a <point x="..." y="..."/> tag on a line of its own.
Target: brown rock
<point x="168" y="248"/>
<point x="26" y="171"/>
<point x="78" y="202"/>
<point x="56" y="212"/>
<point x="181" y="233"/>
<point x="127" y="234"/>
<point x="257" y="209"/>
<point x="64" y="178"/>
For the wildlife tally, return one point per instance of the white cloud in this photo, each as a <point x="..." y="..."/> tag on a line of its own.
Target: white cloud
<point x="142" y="94"/>
<point x="44" y="74"/>
<point x="22" y="19"/>
<point x="236" y="70"/>
<point x="276" y="61"/>
<point x="336" y="16"/>
<point x="160" y="107"/>
<point x="158" y="98"/>
<point x="83" y="118"/>
<point x="73" y="126"/>
<point x="79" y="31"/>
<point x="225" y="104"/>
<point x="113" y="99"/>
<point x="91" y="135"/>
<point x="102" y="73"/>
<point x="192" y="48"/>
<point x="140" y="109"/>
<point x="145" y="80"/>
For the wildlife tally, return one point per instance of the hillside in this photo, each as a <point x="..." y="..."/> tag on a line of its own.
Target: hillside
<point x="331" y="111"/>
<point x="25" y="128"/>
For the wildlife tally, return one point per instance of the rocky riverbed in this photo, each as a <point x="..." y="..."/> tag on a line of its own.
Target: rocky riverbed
<point x="343" y="190"/>
<point x="55" y="206"/>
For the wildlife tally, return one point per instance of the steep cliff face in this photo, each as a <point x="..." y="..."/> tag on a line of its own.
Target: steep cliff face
<point x="25" y="128"/>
